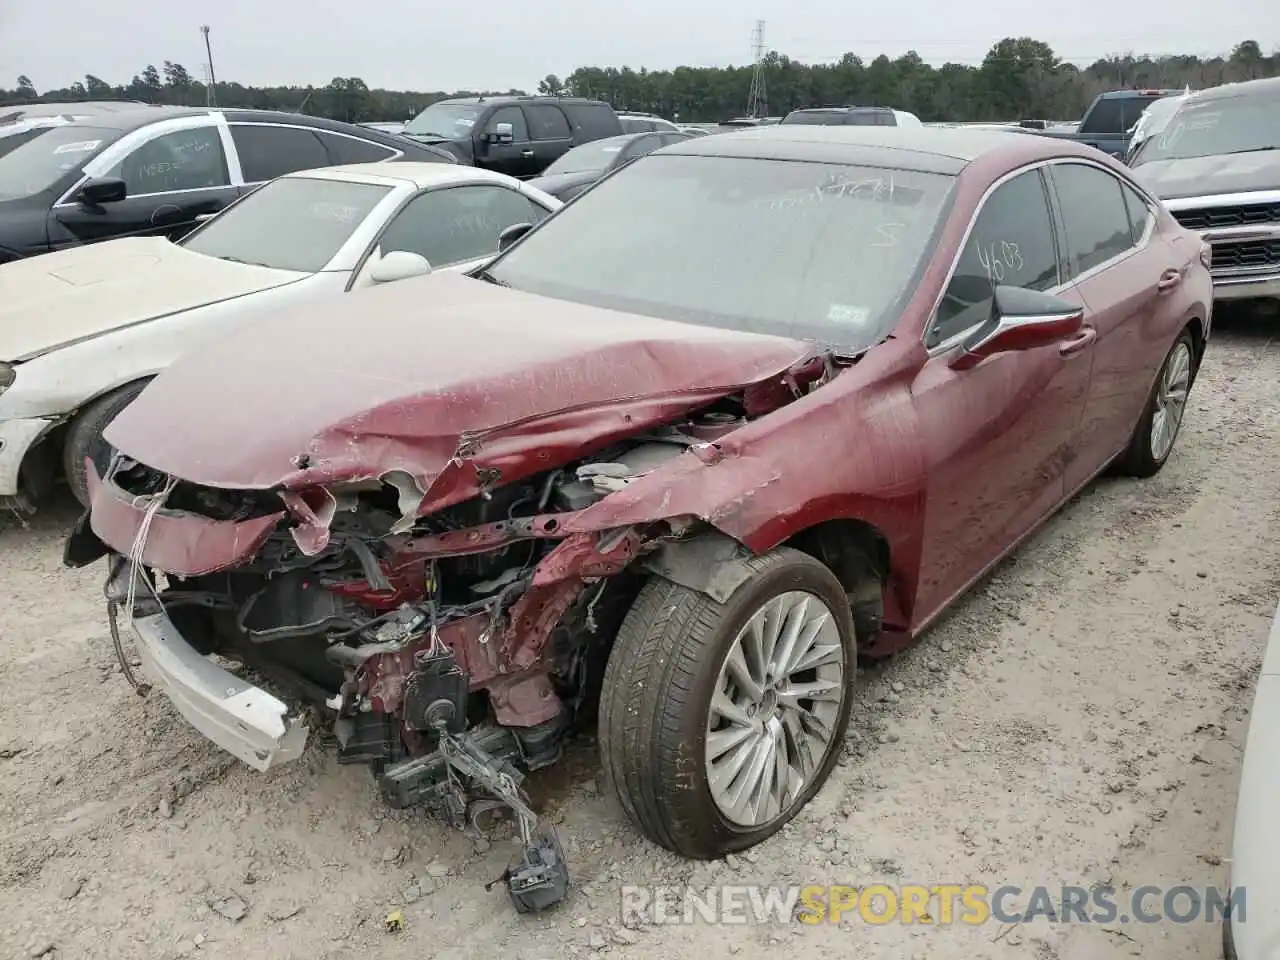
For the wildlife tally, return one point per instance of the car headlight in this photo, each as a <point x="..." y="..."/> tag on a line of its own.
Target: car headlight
<point x="7" y="375"/>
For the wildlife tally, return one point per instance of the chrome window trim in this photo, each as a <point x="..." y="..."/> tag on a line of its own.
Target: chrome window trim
<point x="1064" y="283"/>
<point x="1210" y="200"/>
<point x="117" y="151"/>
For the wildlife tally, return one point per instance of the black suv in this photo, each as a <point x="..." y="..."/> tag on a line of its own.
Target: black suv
<point x="160" y="170"/>
<point x="518" y="136"/>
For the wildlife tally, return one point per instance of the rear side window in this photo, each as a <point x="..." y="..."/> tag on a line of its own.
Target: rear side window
<point x="268" y="152"/>
<point x="350" y="150"/>
<point x="635" y="125"/>
<point x="546" y="122"/>
<point x="1094" y="215"/>
<point x="591" y="121"/>
<point x="1011" y="243"/>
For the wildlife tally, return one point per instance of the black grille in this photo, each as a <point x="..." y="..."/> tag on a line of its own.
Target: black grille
<point x="1240" y="216"/>
<point x="1247" y="253"/>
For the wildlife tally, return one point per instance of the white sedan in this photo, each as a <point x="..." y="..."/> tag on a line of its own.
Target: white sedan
<point x="82" y="331"/>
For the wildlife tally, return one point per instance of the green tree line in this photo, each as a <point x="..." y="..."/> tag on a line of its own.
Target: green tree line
<point x="1019" y="78"/>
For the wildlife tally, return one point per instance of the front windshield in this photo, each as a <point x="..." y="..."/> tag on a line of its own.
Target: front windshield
<point x="42" y="160"/>
<point x="452" y="121"/>
<point x="814" y="251"/>
<point x="294" y="223"/>
<point x="1206" y="128"/>
<point x="589" y="158"/>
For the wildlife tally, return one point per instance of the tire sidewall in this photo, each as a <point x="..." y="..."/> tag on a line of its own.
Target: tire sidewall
<point x="798" y="572"/>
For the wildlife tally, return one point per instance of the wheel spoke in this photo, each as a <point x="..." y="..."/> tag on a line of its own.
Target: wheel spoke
<point x="772" y="718"/>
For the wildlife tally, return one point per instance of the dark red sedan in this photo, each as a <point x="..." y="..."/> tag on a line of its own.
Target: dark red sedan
<point x="751" y="406"/>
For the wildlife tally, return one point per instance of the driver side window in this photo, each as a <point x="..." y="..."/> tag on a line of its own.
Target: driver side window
<point x="183" y="160"/>
<point x="1011" y="243"/>
<point x="513" y="116"/>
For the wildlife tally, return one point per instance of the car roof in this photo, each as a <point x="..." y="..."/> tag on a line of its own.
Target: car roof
<point x="927" y="149"/>
<point x="420" y="173"/>
<point x="1269" y="87"/>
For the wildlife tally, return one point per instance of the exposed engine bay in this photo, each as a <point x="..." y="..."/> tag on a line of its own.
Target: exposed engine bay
<point x="450" y="657"/>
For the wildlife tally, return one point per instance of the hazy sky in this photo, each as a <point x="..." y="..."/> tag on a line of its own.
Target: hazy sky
<point x="503" y="43"/>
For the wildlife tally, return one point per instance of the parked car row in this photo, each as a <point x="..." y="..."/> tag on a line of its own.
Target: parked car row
<point x="158" y="171"/>
<point x="462" y="513"/>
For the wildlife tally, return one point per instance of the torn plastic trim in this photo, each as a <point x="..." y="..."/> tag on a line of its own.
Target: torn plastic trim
<point x="247" y="722"/>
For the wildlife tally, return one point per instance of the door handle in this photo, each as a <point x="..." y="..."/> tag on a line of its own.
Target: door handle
<point x="1079" y="342"/>
<point x="1169" y="279"/>
<point x="526" y="153"/>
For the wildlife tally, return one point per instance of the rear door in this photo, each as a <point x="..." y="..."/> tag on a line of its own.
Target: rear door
<point x="1116" y="259"/>
<point x="173" y="178"/>
<point x="549" y="134"/>
<point x="996" y="435"/>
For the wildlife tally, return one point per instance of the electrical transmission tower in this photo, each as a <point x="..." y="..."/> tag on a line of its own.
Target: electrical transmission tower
<point x="757" y="99"/>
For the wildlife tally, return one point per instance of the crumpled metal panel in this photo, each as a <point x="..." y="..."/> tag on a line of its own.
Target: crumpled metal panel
<point x="434" y="378"/>
<point x="184" y="544"/>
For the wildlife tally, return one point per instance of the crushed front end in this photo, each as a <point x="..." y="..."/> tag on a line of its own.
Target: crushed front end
<point x="450" y="651"/>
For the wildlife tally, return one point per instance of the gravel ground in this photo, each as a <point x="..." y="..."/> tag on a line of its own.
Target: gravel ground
<point x="1076" y="720"/>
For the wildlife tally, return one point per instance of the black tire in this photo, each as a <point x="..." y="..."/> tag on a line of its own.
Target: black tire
<point x="84" y="438"/>
<point x="657" y="692"/>
<point x="1138" y="460"/>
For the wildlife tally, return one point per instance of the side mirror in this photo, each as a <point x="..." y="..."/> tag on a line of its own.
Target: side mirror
<point x="513" y="233"/>
<point x="399" y="265"/>
<point x="101" y="190"/>
<point x="502" y="133"/>
<point x="1021" y="319"/>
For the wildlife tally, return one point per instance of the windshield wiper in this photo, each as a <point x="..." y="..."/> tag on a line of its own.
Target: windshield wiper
<point x="487" y="277"/>
<point x="247" y="263"/>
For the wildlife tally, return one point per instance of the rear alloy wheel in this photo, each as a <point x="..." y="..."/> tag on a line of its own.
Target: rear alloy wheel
<point x="1161" y="419"/>
<point x="719" y="721"/>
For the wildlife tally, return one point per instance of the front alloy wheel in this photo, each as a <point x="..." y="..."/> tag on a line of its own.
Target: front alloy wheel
<point x="719" y="721"/>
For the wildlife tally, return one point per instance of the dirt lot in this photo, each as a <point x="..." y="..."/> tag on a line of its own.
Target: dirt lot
<point x="1077" y="720"/>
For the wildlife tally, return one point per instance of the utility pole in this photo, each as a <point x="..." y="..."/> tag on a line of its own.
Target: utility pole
<point x="757" y="99"/>
<point x="211" y="97"/>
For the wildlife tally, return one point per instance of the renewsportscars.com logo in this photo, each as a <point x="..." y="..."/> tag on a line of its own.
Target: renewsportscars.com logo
<point x="939" y="904"/>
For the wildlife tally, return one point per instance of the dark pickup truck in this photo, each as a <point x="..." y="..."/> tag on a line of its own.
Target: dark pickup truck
<point x="1108" y="122"/>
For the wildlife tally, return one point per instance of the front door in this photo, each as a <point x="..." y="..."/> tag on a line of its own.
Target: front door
<point x="516" y="158"/>
<point x="996" y="435"/>
<point x="172" y="180"/>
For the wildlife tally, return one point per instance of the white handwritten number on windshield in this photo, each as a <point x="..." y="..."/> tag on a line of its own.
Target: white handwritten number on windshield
<point x="998" y="258"/>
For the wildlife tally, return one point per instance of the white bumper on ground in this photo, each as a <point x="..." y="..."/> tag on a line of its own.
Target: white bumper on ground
<point x="16" y="438"/>
<point x="1255" y="862"/>
<point x="247" y="722"/>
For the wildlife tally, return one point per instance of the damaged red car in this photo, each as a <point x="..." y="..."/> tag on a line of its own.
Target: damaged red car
<point x="753" y="406"/>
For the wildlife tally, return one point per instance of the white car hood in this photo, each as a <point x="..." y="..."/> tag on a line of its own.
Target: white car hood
<point x="55" y="299"/>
